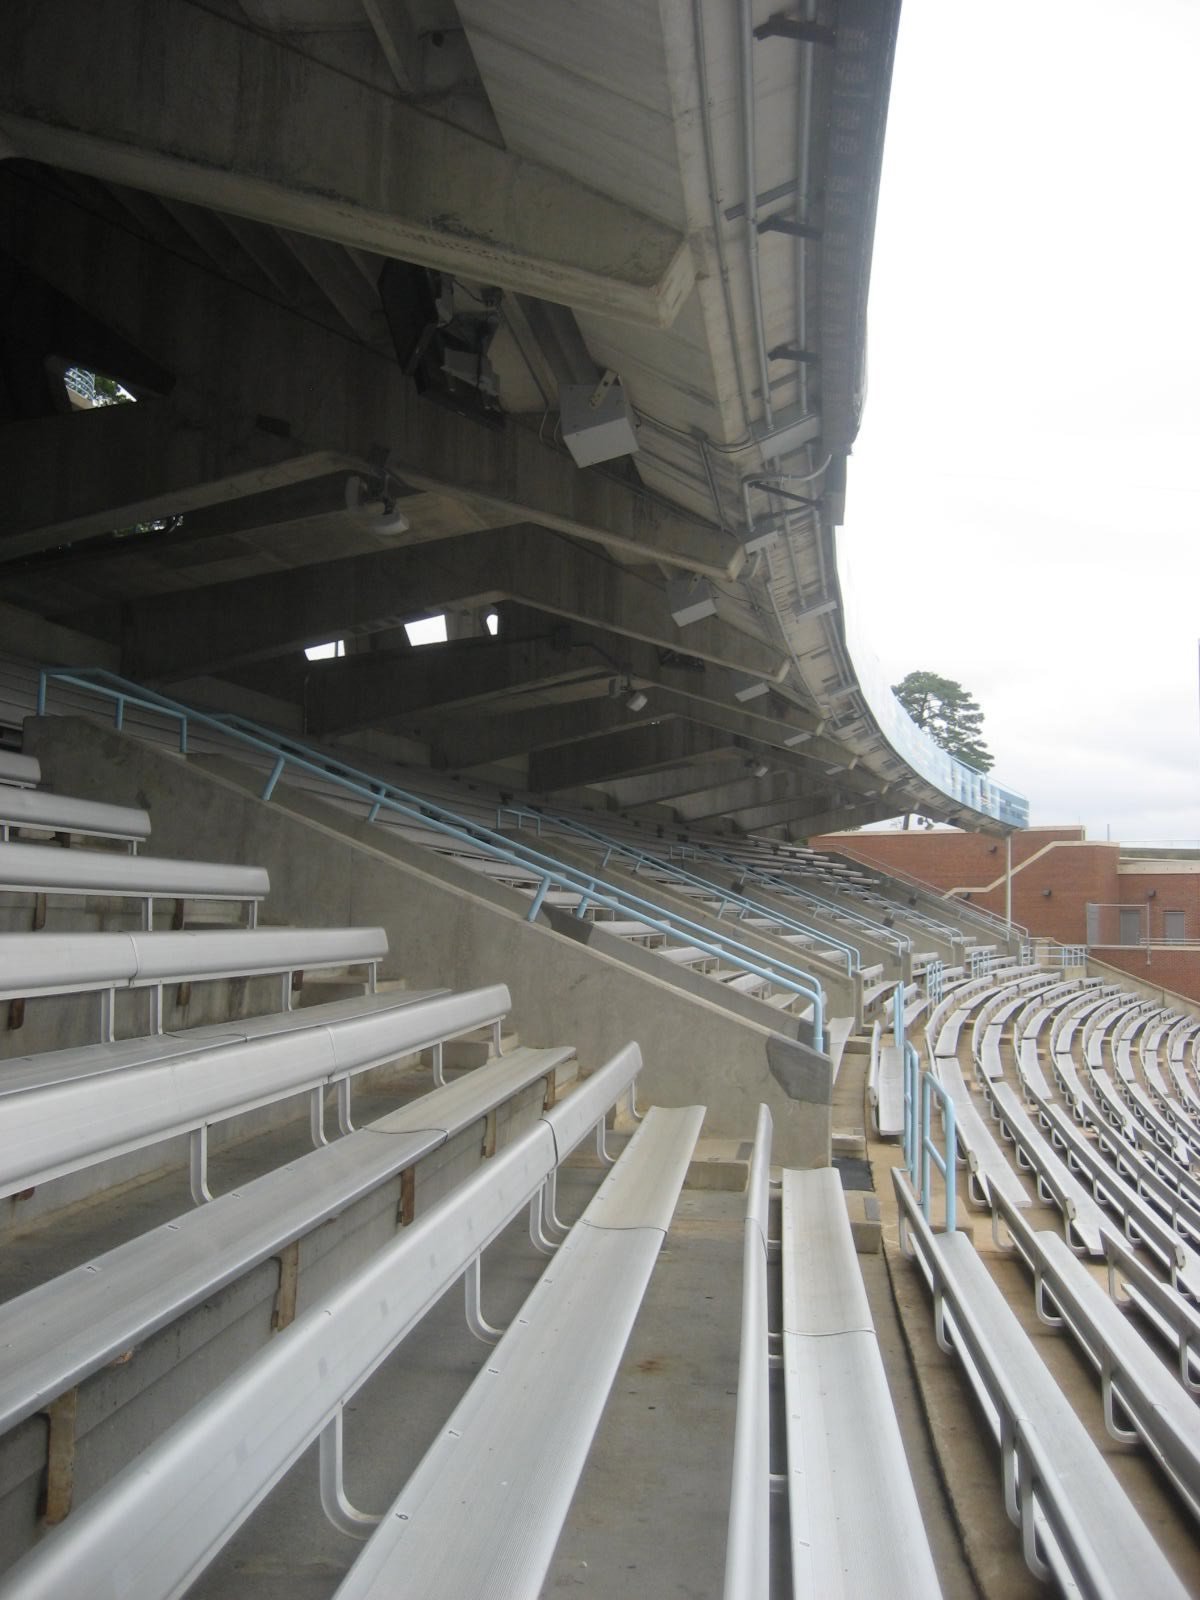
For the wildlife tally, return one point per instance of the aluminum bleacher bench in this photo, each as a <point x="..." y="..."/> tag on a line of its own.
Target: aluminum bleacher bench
<point x="58" y="813"/>
<point x="22" y="772"/>
<point x="748" y="1543"/>
<point x="1056" y="1185"/>
<point x="844" y="1451"/>
<point x="47" y="870"/>
<point x="1077" y="1524"/>
<point x="1139" y="1219"/>
<point x="988" y="1168"/>
<point x="503" y="1471"/>
<point x="47" y="964"/>
<point x="885" y="1086"/>
<point x="56" y="1119"/>
<point x="60" y="1332"/>
<point x="1175" y="1318"/>
<point x="1135" y="1386"/>
<point x="154" y="1526"/>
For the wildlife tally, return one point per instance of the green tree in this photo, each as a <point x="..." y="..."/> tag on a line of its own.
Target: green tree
<point x="948" y="714"/>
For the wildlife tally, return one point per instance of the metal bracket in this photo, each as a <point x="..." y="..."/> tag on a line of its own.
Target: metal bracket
<point x="476" y="1321"/>
<point x="345" y="1517"/>
<point x="345" y="1122"/>
<point x="602" y="1149"/>
<point x="780" y="26"/>
<point x="537" y="1238"/>
<point x="198" y="1164"/>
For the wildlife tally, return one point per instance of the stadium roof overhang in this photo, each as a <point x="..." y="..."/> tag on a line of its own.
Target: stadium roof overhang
<point x="381" y="291"/>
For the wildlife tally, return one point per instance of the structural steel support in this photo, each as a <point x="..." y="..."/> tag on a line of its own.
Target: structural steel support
<point x="478" y="741"/>
<point x="266" y="131"/>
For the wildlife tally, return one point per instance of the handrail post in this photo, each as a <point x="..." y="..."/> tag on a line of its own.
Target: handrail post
<point x="41" y="693"/>
<point x="276" y="772"/>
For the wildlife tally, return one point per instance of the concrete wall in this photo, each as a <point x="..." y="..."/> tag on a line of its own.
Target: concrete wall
<point x="322" y="874"/>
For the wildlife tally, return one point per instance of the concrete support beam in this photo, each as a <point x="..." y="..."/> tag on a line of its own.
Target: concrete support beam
<point x="269" y="133"/>
<point x="375" y="691"/>
<point x="747" y="791"/>
<point x="234" y="351"/>
<point x="479" y="741"/>
<point x="73" y="477"/>
<point x="206" y="630"/>
<point x="666" y="788"/>
<point x="856" y="815"/>
<point x="772" y="814"/>
<point x="616" y="755"/>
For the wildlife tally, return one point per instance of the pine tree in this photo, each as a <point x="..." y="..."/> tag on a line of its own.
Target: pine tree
<point x="948" y="714"/>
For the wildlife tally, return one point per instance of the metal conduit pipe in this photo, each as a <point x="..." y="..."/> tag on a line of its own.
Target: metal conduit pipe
<point x="746" y="61"/>
<point x="718" y="240"/>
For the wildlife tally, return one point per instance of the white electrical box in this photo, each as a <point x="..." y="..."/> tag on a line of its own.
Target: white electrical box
<point x="597" y="422"/>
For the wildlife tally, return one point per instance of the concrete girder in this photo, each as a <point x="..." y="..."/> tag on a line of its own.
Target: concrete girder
<point x="206" y="630"/>
<point x="255" y="360"/>
<point x="74" y="477"/>
<point x="269" y="133"/>
<point x="730" y="798"/>
<point x="771" y="815"/>
<point x="575" y="766"/>
<point x="665" y="788"/>
<point x="478" y="741"/>
<point x="376" y="690"/>
<point x="845" y="816"/>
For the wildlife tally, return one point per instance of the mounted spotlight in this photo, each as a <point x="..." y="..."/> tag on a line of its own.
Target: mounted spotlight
<point x="759" y="769"/>
<point x="376" y="511"/>
<point x="635" y="700"/>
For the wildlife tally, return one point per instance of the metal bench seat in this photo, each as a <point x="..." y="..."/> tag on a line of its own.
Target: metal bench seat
<point x="885" y="1087"/>
<point x="154" y="1526"/>
<point x="1174" y="1133"/>
<point x="79" y="963"/>
<point x="1029" y="1068"/>
<point x="503" y="1470"/>
<point x="45" y="869"/>
<point x="1076" y="1522"/>
<point x="856" y="1527"/>
<point x="1056" y="1185"/>
<point x="22" y="772"/>
<point x="66" y="1124"/>
<point x="988" y="1168"/>
<point x="58" y="1333"/>
<point x="1174" y="1318"/>
<point x="1137" y="1216"/>
<point x="1136" y="1388"/>
<point x="60" y="813"/>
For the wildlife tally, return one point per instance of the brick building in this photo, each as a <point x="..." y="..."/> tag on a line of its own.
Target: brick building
<point x="1139" y="912"/>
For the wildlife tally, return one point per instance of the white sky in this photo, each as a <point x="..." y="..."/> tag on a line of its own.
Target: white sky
<point x="1023" y="505"/>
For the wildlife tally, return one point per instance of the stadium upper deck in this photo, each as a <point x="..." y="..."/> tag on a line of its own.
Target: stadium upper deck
<point x="553" y="313"/>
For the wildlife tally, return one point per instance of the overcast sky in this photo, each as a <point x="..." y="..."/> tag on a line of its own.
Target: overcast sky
<point x="1024" y="498"/>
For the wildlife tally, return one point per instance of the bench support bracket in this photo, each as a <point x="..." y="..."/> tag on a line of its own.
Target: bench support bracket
<point x="478" y="1324"/>
<point x="198" y="1164"/>
<point x="345" y="1518"/>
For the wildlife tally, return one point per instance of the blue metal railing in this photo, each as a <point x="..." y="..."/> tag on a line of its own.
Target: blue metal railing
<point x="545" y="871"/>
<point x="921" y="1089"/>
<point x="646" y="858"/>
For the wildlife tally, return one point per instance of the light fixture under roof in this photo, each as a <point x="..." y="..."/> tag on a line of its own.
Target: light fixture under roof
<point x="690" y="599"/>
<point x="745" y="689"/>
<point x="636" y="700"/>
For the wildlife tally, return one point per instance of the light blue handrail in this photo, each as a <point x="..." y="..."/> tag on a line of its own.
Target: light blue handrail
<point x="921" y="1089"/>
<point x="640" y="858"/>
<point x="548" y="872"/>
<point x="770" y="880"/>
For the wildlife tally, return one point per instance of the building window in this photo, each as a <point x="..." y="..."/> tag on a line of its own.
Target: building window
<point x="1175" y="926"/>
